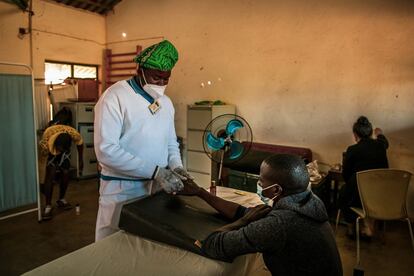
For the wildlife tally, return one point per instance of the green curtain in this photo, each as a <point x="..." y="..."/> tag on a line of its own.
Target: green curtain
<point x="17" y="142"/>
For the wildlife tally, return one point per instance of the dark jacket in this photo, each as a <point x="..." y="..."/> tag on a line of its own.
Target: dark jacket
<point x="367" y="154"/>
<point x="295" y="239"/>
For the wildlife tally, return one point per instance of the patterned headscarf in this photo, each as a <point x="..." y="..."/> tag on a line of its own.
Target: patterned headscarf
<point x="161" y="56"/>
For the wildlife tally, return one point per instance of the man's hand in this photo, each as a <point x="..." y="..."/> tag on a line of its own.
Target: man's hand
<point x="183" y="174"/>
<point x="168" y="180"/>
<point x="256" y="213"/>
<point x="190" y="188"/>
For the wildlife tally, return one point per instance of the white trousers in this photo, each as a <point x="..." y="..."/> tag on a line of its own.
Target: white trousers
<point x="113" y="194"/>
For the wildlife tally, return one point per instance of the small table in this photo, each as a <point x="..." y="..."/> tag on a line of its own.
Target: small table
<point x="323" y="188"/>
<point x="335" y="176"/>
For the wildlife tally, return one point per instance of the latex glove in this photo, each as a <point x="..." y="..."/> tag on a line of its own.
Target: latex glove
<point x="184" y="175"/>
<point x="168" y="180"/>
<point x="190" y="189"/>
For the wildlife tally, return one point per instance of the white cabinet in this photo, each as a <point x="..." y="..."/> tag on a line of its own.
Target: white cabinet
<point x="82" y="113"/>
<point x="198" y="117"/>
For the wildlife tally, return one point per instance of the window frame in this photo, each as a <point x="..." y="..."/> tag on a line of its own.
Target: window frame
<point x="72" y="66"/>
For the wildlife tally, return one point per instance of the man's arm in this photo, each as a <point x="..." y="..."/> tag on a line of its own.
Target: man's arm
<point x="234" y="239"/>
<point x="266" y="234"/>
<point x="252" y="214"/>
<point x="224" y="207"/>
<point x="230" y="210"/>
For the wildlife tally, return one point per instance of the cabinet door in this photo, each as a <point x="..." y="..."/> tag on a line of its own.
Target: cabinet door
<point x="198" y="118"/>
<point x="85" y="113"/>
<point x="202" y="180"/>
<point x="86" y="131"/>
<point x="199" y="162"/>
<point x="89" y="161"/>
<point x="195" y="140"/>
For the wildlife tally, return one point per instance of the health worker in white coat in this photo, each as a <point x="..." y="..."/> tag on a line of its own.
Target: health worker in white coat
<point x="134" y="135"/>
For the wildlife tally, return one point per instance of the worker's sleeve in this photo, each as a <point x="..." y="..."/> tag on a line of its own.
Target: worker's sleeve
<point x="107" y="132"/>
<point x="383" y="140"/>
<point x="264" y="235"/>
<point x="174" y="156"/>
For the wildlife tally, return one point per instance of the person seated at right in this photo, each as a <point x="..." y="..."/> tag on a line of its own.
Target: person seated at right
<point x="367" y="154"/>
<point x="294" y="235"/>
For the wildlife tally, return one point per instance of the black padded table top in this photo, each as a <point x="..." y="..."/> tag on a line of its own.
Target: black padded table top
<point x="174" y="220"/>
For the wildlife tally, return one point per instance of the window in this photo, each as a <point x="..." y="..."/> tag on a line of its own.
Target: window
<point x="57" y="72"/>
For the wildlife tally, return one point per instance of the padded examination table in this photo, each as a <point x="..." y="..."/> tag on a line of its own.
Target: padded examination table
<point x="124" y="254"/>
<point x="127" y="254"/>
<point x="174" y="220"/>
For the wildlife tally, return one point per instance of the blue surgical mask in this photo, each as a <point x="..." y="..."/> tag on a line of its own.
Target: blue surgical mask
<point x="266" y="200"/>
<point x="262" y="198"/>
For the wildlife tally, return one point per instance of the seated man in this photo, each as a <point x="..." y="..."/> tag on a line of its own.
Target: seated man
<point x="294" y="235"/>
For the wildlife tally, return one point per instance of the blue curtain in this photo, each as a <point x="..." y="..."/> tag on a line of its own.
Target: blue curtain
<point x="17" y="142"/>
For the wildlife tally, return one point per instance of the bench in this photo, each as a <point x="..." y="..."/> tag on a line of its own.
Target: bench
<point x="244" y="173"/>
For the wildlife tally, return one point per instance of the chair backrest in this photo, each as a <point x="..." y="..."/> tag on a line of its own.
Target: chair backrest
<point x="383" y="193"/>
<point x="410" y="200"/>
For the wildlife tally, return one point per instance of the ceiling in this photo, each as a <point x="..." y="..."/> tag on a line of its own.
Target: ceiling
<point x="98" y="6"/>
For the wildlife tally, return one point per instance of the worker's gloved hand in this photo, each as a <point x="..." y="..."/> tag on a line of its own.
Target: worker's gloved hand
<point x="183" y="174"/>
<point x="170" y="181"/>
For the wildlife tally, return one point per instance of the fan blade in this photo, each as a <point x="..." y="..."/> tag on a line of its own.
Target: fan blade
<point x="236" y="150"/>
<point x="213" y="142"/>
<point x="233" y="126"/>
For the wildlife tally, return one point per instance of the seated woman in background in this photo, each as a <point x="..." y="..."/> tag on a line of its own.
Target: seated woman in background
<point x="294" y="234"/>
<point x="368" y="153"/>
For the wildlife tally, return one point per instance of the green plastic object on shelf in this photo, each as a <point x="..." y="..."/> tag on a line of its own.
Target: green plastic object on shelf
<point x="217" y="102"/>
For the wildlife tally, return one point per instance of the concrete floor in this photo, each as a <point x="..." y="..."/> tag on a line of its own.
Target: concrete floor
<point x="26" y="244"/>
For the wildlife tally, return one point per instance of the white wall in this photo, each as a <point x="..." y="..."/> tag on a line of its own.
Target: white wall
<point x="300" y="72"/>
<point x="12" y="49"/>
<point x="60" y="33"/>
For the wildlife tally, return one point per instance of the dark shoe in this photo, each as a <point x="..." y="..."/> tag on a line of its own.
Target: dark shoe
<point x="63" y="205"/>
<point x="47" y="214"/>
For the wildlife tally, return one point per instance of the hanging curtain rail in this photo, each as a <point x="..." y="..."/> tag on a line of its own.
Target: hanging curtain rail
<point x="39" y="214"/>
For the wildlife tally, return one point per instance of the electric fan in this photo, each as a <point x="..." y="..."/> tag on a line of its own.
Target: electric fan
<point x="227" y="139"/>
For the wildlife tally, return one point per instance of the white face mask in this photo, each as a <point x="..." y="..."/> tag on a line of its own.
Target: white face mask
<point x="155" y="91"/>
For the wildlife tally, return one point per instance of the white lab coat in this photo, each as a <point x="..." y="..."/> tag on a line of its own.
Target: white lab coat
<point x="130" y="143"/>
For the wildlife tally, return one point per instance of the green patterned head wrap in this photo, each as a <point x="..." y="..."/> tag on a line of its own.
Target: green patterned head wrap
<point x="161" y="56"/>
